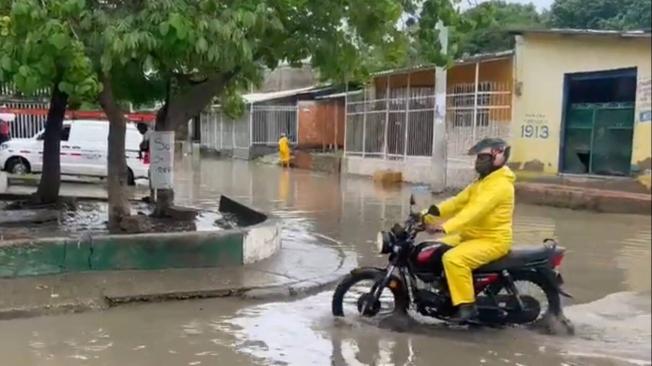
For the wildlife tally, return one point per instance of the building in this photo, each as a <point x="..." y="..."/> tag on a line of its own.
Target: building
<point x="581" y="102"/>
<point x="311" y="117"/>
<point x="572" y="102"/>
<point x="390" y="124"/>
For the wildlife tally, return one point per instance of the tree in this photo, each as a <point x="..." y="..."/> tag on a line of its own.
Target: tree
<point x="601" y="14"/>
<point x="492" y="22"/>
<point x="202" y="49"/>
<point x="41" y="50"/>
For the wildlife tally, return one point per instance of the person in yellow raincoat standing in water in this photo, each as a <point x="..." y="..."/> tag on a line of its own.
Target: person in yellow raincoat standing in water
<point x="477" y="223"/>
<point x="284" y="150"/>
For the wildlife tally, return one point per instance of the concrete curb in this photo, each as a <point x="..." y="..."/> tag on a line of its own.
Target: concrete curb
<point x="297" y="289"/>
<point x="303" y="288"/>
<point x="256" y="240"/>
<point x="96" y="291"/>
<point x="579" y="198"/>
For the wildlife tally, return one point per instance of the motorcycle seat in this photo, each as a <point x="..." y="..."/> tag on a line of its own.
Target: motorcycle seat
<point x="518" y="257"/>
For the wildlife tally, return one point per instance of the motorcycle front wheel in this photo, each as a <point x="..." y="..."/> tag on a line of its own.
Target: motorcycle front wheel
<point x="352" y="295"/>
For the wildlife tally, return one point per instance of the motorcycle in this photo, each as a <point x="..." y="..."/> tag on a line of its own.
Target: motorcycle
<point x="521" y="288"/>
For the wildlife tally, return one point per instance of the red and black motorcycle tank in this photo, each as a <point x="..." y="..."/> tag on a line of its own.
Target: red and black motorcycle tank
<point x="426" y="260"/>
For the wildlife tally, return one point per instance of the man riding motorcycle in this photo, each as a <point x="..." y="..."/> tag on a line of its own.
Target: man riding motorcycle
<point x="477" y="223"/>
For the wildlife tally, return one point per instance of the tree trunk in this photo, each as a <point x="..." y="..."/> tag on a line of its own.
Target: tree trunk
<point x="48" y="188"/>
<point x="117" y="162"/>
<point x="178" y="110"/>
<point x="164" y="197"/>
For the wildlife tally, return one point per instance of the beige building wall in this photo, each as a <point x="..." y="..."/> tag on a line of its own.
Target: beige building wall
<point x="541" y="61"/>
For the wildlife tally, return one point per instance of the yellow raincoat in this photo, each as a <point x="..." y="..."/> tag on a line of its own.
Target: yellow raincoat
<point x="479" y="228"/>
<point x="284" y="151"/>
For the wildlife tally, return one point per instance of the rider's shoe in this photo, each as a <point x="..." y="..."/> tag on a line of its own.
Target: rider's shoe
<point x="465" y="313"/>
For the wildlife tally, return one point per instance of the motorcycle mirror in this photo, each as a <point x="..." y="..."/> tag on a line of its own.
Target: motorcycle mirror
<point x="412" y="201"/>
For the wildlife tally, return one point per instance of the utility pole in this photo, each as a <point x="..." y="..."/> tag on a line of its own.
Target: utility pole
<point x="439" y="140"/>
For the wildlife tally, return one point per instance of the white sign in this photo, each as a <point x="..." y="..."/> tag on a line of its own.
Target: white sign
<point x="161" y="147"/>
<point x="644" y="99"/>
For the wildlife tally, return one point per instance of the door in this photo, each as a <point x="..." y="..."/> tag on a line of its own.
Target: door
<point x="67" y="155"/>
<point x="613" y="131"/>
<point x="88" y="141"/>
<point x="599" y="122"/>
<point x="599" y="138"/>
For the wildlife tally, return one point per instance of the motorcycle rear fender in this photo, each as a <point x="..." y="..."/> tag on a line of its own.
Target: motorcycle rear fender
<point x="551" y="277"/>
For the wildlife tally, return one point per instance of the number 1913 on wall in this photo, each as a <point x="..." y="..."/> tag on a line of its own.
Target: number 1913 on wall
<point x="535" y="131"/>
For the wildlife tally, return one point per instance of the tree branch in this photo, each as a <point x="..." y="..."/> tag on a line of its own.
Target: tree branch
<point x="195" y="98"/>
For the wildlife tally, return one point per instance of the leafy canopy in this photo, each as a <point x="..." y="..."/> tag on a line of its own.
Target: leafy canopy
<point x="492" y="21"/>
<point x="188" y="42"/>
<point x="40" y="46"/>
<point x="602" y="14"/>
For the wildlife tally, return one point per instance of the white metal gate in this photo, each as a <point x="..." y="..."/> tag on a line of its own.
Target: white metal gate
<point x="270" y="121"/>
<point x="393" y="127"/>
<point x="26" y="125"/>
<point x="489" y="104"/>
<point x="259" y="125"/>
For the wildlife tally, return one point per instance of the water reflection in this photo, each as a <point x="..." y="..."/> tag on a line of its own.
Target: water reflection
<point x="606" y="253"/>
<point x="607" y="269"/>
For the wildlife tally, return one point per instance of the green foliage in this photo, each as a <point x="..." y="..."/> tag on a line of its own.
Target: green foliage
<point x="156" y="50"/>
<point x="492" y="22"/>
<point x="601" y="14"/>
<point x="40" y="47"/>
<point x="419" y="42"/>
<point x="186" y="41"/>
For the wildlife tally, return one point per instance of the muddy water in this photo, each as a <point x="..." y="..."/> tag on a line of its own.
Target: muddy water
<point x="607" y="268"/>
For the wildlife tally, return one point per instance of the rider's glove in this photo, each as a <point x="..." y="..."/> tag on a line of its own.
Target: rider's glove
<point x="429" y="216"/>
<point x="432" y="211"/>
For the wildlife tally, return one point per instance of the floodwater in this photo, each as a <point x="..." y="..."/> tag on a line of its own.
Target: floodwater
<point x="607" y="269"/>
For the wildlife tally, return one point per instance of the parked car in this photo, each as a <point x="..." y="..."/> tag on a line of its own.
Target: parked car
<point x="84" y="151"/>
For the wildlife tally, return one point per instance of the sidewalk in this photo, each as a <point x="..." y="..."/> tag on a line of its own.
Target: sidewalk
<point x="584" y="198"/>
<point x="12" y="187"/>
<point x="297" y="269"/>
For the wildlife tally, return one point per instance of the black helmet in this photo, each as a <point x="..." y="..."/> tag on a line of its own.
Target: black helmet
<point x="491" y="142"/>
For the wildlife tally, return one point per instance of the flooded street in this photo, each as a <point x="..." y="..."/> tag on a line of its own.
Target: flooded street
<point x="607" y="269"/>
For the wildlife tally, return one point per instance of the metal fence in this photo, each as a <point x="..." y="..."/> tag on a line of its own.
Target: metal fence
<point x="401" y="125"/>
<point x="259" y="125"/>
<point x="393" y="127"/>
<point x="270" y="121"/>
<point x="26" y="125"/>
<point x="489" y="104"/>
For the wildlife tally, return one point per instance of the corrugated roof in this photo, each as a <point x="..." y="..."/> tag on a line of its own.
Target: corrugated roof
<point x="480" y="57"/>
<point x="338" y="95"/>
<point x="586" y="32"/>
<point x="263" y="97"/>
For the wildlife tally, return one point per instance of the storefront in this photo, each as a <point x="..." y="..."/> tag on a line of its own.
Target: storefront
<point x="582" y="103"/>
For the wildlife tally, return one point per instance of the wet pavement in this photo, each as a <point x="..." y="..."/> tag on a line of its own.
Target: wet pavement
<point x="607" y="268"/>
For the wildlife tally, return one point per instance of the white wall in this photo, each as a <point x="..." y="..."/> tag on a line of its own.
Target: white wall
<point x="262" y="241"/>
<point x="414" y="170"/>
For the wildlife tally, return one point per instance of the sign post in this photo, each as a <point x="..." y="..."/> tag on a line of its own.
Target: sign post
<point x="162" y="158"/>
<point x="439" y="143"/>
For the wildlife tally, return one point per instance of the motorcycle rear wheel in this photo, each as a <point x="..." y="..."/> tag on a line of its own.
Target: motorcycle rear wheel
<point x="347" y="285"/>
<point x="531" y="281"/>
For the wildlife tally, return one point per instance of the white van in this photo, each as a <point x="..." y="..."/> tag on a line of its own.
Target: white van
<point x="84" y="151"/>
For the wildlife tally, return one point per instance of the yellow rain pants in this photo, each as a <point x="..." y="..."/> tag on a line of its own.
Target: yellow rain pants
<point x="479" y="228"/>
<point x="284" y="151"/>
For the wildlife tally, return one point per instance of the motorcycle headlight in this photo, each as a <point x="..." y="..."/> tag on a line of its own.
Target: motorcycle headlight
<point x="383" y="243"/>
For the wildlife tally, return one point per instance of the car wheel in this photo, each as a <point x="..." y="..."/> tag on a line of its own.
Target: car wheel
<point x="18" y="166"/>
<point x="130" y="177"/>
